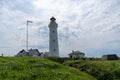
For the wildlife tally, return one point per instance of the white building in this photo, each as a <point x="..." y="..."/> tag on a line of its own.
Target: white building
<point x="22" y="53"/>
<point x="31" y="52"/>
<point x="76" y="54"/>
<point x="34" y="52"/>
<point x="53" y="38"/>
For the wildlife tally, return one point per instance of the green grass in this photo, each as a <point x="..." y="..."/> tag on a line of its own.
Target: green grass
<point x="102" y="70"/>
<point x="29" y="68"/>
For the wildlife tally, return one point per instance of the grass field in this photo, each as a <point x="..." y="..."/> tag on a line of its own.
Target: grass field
<point x="29" y="68"/>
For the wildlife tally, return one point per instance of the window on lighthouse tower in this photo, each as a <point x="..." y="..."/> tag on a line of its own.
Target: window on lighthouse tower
<point x="53" y="40"/>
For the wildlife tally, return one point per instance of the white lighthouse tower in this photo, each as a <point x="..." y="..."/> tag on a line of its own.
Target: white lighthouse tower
<point x="53" y="38"/>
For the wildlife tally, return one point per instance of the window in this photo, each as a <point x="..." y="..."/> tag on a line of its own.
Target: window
<point x="53" y="31"/>
<point x="53" y="49"/>
<point x="53" y="40"/>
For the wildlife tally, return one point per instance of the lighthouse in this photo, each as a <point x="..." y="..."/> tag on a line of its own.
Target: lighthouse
<point x="53" y="38"/>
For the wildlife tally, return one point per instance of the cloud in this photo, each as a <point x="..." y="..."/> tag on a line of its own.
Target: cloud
<point x="91" y="26"/>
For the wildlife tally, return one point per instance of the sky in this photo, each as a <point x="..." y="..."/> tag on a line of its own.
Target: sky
<point x="89" y="26"/>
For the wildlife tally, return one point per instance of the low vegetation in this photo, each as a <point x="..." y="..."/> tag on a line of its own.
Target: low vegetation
<point x="29" y="68"/>
<point x="101" y="69"/>
<point x="53" y="68"/>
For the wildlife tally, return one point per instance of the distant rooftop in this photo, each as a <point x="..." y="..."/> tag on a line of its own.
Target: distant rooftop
<point x="76" y="52"/>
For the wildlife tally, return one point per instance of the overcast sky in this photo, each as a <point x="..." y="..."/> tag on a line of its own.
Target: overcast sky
<point x="90" y="26"/>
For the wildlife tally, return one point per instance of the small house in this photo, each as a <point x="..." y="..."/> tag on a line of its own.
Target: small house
<point x="110" y="57"/>
<point x="32" y="52"/>
<point x="76" y="54"/>
<point x="22" y="53"/>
